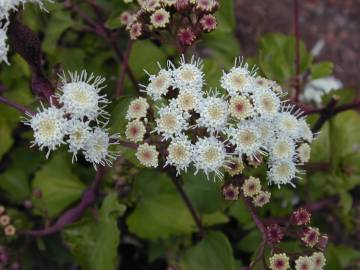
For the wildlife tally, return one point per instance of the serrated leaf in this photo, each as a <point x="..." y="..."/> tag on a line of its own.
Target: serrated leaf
<point x="94" y="241"/>
<point x="58" y="185"/>
<point x="214" y="252"/>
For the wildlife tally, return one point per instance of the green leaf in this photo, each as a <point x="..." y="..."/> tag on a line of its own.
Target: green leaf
<point x="212" y="253"/>
<point x="58" y="23"/>
<point x="239" y="211"/>
<point x="226" y="16"/>
<point x="322" y="69"/>
<point x="214" y="218"/>
<point x="118" y="121"/>
<point x="250" y="242"/>
<point x="6" y="137"/>
<point x="94" y="241"/>
<point x="160" y="216"/>
<point x="58" y="185"/>
<point x="205" y="195"/>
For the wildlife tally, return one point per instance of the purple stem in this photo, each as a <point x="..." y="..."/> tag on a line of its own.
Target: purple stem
<point x="16" y="106"/>
<point x="75" y="213"/>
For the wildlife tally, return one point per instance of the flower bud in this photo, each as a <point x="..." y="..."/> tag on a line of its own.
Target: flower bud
<point x="186" y="36"/>
<point x="274" y="233"/>
<point x="301" y="217"/>
<point x="231" y="192"/>
<point x="310" y="236"/>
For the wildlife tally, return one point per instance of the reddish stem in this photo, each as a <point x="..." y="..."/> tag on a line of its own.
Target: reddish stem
<point x="16" y="106"/>
<point x="75" y="213"/>
<point x="123" y="69"/>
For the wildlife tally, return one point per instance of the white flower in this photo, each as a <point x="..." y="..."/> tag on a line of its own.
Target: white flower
<point x="304" y="262"/>
<point x="266" y="102"/>
<point x="288" y="124"/>
<point x="188" y="100"/>
<point x="213" y="112"/>
<point x="80" y="97"/>
<point x="179" y="153"/>
<point x="96" y="148"/>
<point x="4" y="48"/>
<point x="282" y="148"/>
<point x="49" y="126"/>
<point x="151" y="5"/>
<point x="189" y="75"/>
<point x="305" y="131"/>
<point x="282" y="172"/>
<point x="160" y="18"/>
<point x="240" y="107"/>
<point x="269" y="84"/>
<point x="137" y="109"/>
<point x="79" y="133"/>
<point x="135" y="131"/>
<point x="147" y="155"/>
<point x="246" y="138"/>
<point x="266" y="130"/>
<point x="159" y="84"/>
<point x="319" y="260"/>
<point x="238" y="80"/>
<point x="304" y="152"/>
<point x="210" y="156"/>
<point x="171" y="121"/>
<point x="7" y="6"/>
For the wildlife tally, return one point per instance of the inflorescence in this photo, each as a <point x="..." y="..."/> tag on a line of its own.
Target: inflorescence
<point x="244" y="122"/>
<point x="191" y="17"/>
<point x="78" y="119"/>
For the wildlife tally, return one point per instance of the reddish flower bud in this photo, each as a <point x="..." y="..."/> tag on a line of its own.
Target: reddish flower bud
<point x="323" y="241"/>
<point x="182" y="5"/>
<point x="301" y="217"/>
<point x="186" y="36"/>
<point x="274" y="233"/>
<point x="208" y="23"/>
<point x="135" y="31"/>
<point x="28" y="204"/>
<point x="231" y="192"/>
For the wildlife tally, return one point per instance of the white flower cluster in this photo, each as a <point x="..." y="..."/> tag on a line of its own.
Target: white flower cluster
<point x="245" y="120"/>
<point x="6" y="7"/>
<point x="78" y="120"/>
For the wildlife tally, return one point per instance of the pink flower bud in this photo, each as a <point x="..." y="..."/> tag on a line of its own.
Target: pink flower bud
<point x="186" y="36"/>
<point x="301" y="217"/>
<point x="208" y="23"/>
<point x="274" y="233"/>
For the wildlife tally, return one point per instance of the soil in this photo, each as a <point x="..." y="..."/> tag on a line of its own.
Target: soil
<point x="335" y="22"/>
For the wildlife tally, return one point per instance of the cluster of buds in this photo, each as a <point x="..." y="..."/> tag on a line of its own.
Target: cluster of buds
<point x="6" y="7"/>
<point x="189" y="18"/>
<point x="310" y="236"/>
<point x="5" y="222"/>
<point x="76" y="117"/>
<point x="252" y="188"/>
<point x="6" y="262"/>
<point x="211" y="130"/>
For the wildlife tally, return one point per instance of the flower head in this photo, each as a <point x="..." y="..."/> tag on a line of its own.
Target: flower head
<point x="147" y="155"/>
<point x="210" y="156"/>
<point x="206" y="5"/>
<point x="171" y="121"/>
<point x="189" y="75"/>
<point x="238" y="80"/>
<point x="49" y="126"/>
<point x="304" y="263"/>
<point x="235" y="166"/>
<point x="5" y="220"/>
<point x="126" y="18"/>
<point x="208" y="22"/>
<point x="230" y="192"/>
<point x="159" y="84"/>
<point x="135" y="131"/>
<point x="251" y="186"/>
<point x="160" y="18"/>
<point x="137" y="109"/>
<point x="282" y="172"/>
<point x="186" y="36"/>
<point x="301" y="217"/>
<point x="266" y="102"/>
<point x="288" y="124"/>
<point x="240" y="107"/>
<point x="318" y="260"/>
<point x="262" y="198"/>
<point x="303" y="152"/>
<point x="188" y="100"/>
<point x="80" y="97"/>
<point x="274" y="233"/>
<point x="151" y="5"/>
<point x="135" y="30"/>
<point x="7" y="6"/>
<point x="97" y="150"/>
<point x="310" y="236"/>
<point x="214" y="113"/>
<point x="10" y="230"/>
<point x="79" y="133"/>
<point x="283" y="148"/>
<point x="279" y="261"/>
<point x="179" y="153"/>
